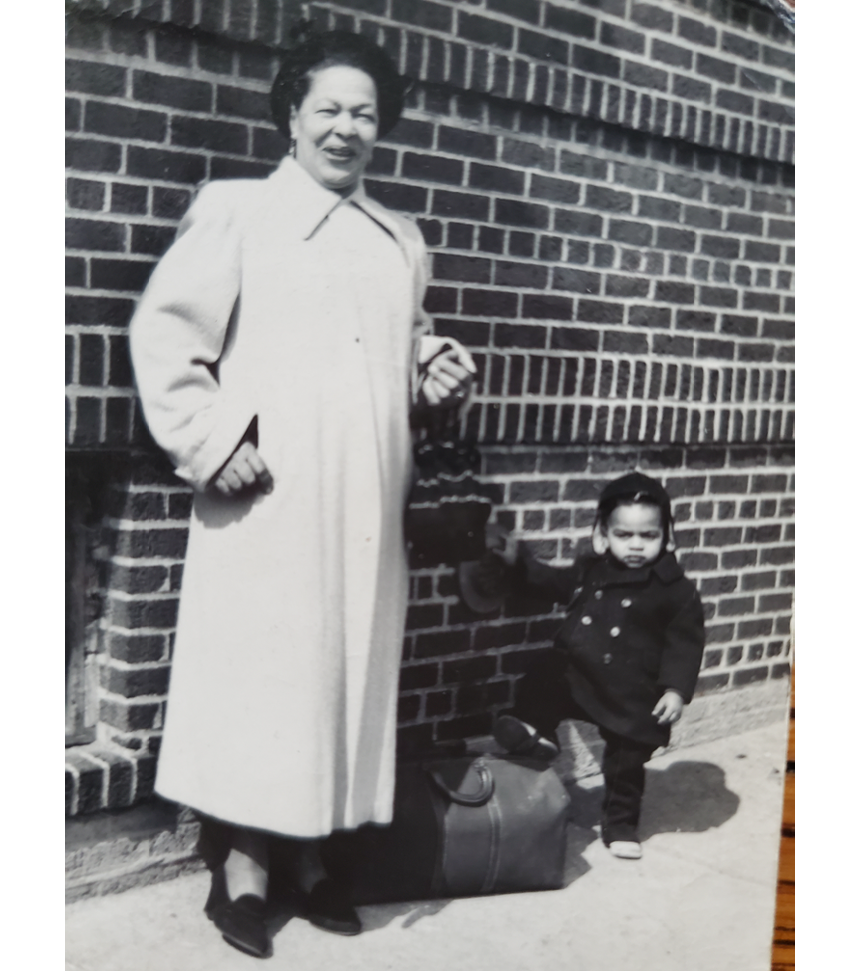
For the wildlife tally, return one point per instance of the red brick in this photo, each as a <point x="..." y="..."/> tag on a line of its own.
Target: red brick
<point x="490" y="636"/>
<point x="136" y="682"/>
<point x="764" y="580"/>
<point x="465" y="727"/>
<point x="447" y="642"/>
<point x="129" y="716"/>
<point x="711" y="682"/>
<point x="469" y="669"/>
<point x="735" y="606"/>
<point x="89" y="781"/>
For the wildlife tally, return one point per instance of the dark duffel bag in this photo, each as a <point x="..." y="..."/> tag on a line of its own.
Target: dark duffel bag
<point x="461" y="827"/>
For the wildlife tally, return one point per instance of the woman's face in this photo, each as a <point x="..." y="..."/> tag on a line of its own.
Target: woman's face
<point x="336" y="125"/>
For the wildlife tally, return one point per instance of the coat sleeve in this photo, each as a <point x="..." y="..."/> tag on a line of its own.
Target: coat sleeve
<point x="177" y="336"/>
<point x="534" y="580"/>
<point x="684" y="645"/>
<point x="421" y="322"/>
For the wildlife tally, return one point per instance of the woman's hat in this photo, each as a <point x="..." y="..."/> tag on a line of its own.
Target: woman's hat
<point x="485" y="583"/>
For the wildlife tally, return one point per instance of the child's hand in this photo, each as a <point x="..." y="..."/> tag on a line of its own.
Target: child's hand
<point x="500" y="541"/>
<point x="669" y="708"/>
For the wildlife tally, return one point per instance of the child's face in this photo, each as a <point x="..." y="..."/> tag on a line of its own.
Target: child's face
<point x="635" y="534"/>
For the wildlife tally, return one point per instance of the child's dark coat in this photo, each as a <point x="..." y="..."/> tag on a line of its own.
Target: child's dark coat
<point x="628" y="636"/>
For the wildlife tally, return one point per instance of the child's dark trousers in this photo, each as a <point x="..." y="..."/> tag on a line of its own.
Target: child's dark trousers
<point x="543" y="699"/>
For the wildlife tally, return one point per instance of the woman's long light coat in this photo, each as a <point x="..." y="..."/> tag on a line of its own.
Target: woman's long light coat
<point x="282" y="301"/>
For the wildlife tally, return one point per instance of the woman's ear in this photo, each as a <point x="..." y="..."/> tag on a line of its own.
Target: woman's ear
<point x="294" y="117"/>
<point x="599" y="540"/>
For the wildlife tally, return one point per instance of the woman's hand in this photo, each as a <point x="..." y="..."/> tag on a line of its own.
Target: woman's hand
<point x="244" y="470"/>
<point x="449" y="375"/>
<point x="669" y="708"/>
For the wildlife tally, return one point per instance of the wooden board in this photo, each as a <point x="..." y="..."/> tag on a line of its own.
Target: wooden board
<point x="783" y="932"/>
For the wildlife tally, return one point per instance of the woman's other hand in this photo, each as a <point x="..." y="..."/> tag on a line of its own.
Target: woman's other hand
<point x="244" y="470"/>
<point x="450" y="374"/>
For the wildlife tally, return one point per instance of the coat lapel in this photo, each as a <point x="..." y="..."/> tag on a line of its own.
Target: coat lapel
<point x="310" y="204"/>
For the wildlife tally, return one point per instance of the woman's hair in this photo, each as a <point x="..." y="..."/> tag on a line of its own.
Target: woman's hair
<point x="337" y="47"/>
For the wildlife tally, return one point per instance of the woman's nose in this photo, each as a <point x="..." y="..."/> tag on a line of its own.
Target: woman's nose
<point x="344" y="124"/>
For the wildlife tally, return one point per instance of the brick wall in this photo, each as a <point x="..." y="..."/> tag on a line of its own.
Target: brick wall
<point x="605" y="187"/>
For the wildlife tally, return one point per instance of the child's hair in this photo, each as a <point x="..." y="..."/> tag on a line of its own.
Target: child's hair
<point x="632" y="489"/>
<point x="605" y="510"/>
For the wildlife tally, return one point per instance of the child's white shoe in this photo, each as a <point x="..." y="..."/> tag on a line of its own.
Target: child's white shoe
<point x="626" y="849"/>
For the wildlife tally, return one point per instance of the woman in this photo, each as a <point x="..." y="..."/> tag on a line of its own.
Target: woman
<point x="277" y="351"/>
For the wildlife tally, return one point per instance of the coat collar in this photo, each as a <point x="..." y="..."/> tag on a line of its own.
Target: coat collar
<point x="311" y="204"/>
<point x="666" y="569"/>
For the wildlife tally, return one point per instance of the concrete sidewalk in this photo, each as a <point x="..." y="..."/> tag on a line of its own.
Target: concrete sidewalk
<point x="701" y="899"/>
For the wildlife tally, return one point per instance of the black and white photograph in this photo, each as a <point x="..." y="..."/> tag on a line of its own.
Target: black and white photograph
<point x="429" y="484"/>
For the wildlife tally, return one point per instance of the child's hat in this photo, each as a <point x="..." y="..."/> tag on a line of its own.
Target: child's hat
<point x="632" y="487"/>
<point x="635" y="486"/>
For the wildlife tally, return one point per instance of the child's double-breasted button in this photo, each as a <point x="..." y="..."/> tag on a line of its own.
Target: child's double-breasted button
<point x="586" y="620"/>
<point x="614" y="632"/>
<point x="598" y="594"/>
<point x="607" y="658"/>
<point x="626" y="602"/>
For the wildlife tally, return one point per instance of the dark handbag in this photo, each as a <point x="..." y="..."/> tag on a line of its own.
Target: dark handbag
<point x="461" y="827"/>
<point x="448" y="506"/>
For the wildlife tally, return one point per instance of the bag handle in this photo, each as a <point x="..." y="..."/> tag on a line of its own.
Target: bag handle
<point x="479" y="798"/>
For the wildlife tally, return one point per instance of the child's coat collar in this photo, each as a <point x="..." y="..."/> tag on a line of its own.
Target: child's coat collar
<point x="666" y="569"/>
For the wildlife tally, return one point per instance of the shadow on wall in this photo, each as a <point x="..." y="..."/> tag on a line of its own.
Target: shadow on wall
<point x="685" y="797"/>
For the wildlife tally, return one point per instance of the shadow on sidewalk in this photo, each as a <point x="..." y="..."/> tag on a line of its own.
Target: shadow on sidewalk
<point x="685" y="797"/>
<point x="376" y="916"/>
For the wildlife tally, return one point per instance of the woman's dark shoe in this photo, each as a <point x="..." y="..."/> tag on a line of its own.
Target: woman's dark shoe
<point x="242" y="922"/>
<point x="328" y="907"/>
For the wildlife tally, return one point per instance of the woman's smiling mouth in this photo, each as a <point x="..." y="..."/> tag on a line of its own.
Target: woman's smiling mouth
<point x="340" y="154"/>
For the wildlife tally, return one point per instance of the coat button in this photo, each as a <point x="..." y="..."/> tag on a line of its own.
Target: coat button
<point x="614" y="632"/>
<point x="598" y="594"/>
<point x="626" y="602"/>
<point x="607" y="658"/>
<point x="586" y="620"/>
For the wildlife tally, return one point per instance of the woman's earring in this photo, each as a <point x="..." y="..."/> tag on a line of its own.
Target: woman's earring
<point x="599" y="541"/>
<point x="293" y="147"/>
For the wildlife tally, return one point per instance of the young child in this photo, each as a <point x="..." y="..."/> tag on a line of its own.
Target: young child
<point x="627" y="655"/>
